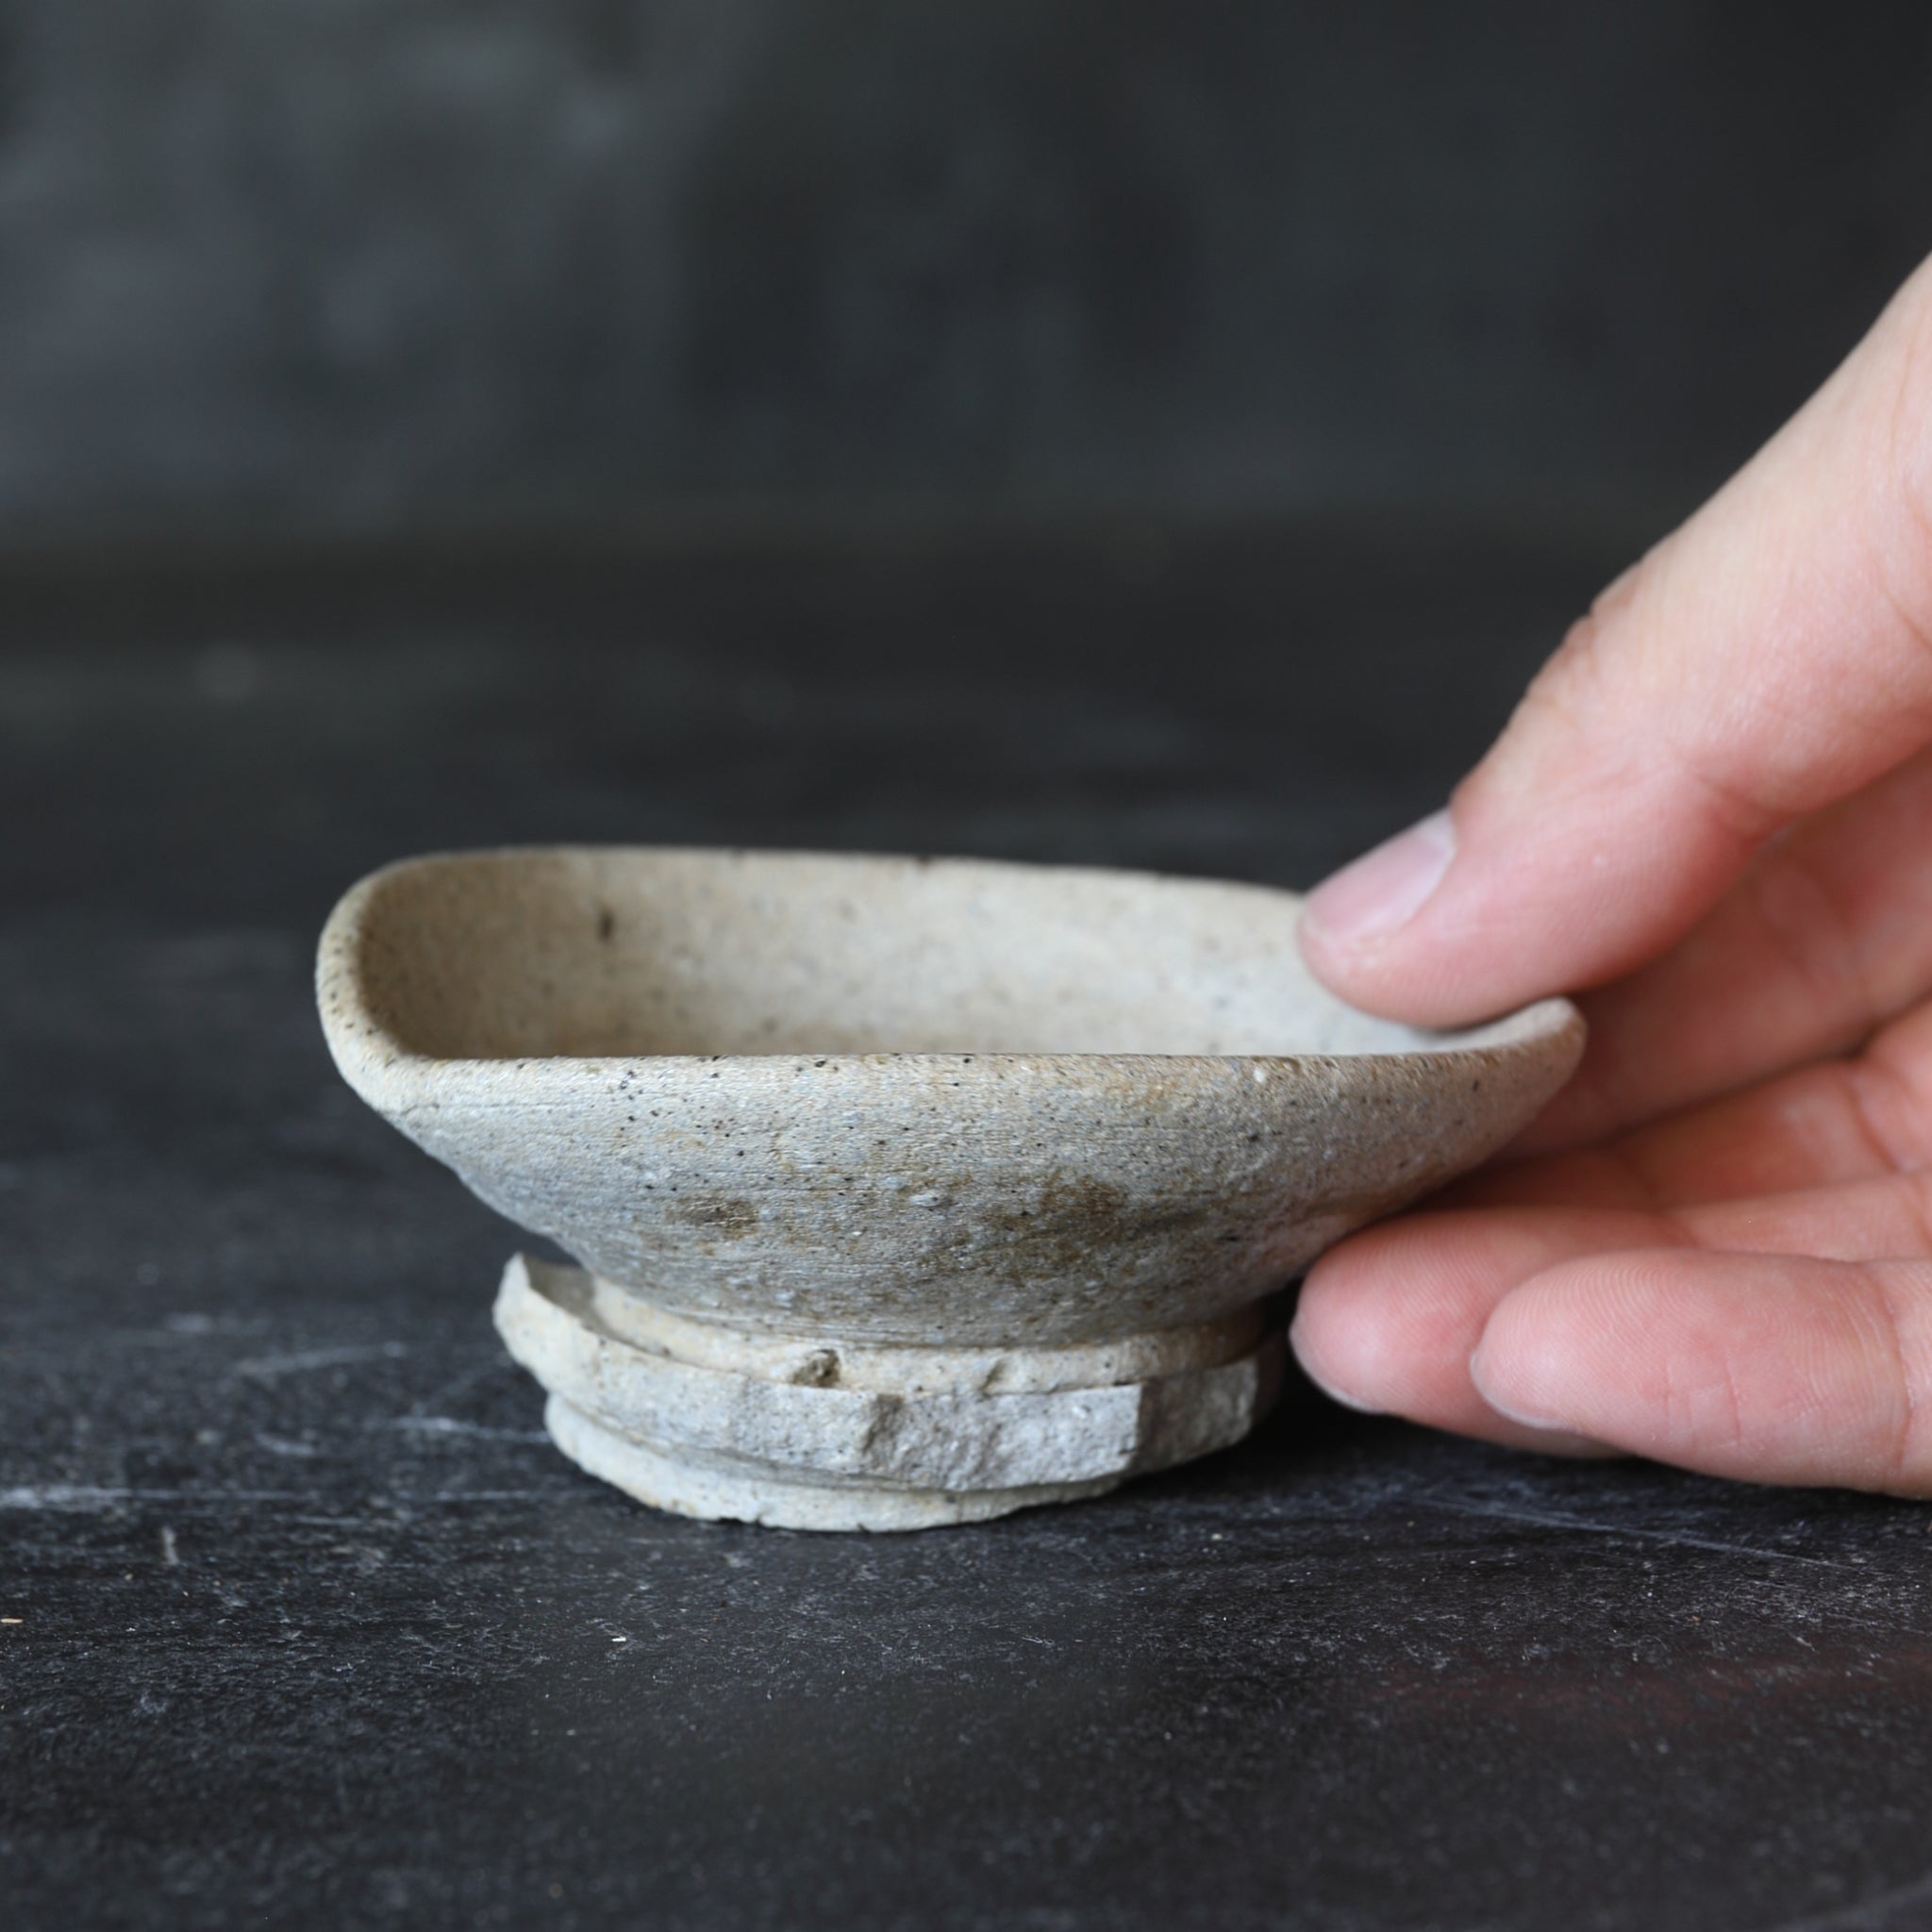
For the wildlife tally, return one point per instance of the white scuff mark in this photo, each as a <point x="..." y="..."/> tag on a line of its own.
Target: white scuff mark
<point x="1551" y="1519"/>
<point x="90" y="1498"/>
<point x="84" y="1499"/>
<point x="70" y="1497"/>
<point x="453" y="1425"/>
<point x="171" y="1556"/>
<point x="285" y="1445"/>
<point x="265" y="1368"/>
<point x="487" y="1496"/>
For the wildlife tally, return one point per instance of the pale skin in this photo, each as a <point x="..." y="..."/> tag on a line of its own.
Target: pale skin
<point x="1712" y="813"/>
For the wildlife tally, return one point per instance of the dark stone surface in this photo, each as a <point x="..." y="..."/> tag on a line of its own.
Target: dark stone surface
<point x="307" y="1626"/>
<point x="354" y="264"/>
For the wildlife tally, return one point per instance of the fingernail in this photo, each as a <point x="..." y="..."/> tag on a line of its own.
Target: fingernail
<point x="1321" y="1381"/>
<point x="1553" y="1435"/>
<point x="1340" y="1395"/>
<point x="1514" y="1409"/>
<point x="1385" y="889"/>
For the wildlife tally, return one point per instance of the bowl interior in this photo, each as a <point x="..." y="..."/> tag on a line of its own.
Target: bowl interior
<point x="613" y="952"/>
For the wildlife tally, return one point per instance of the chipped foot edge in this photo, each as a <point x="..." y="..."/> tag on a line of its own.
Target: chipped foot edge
<point x="805" y="1435"/>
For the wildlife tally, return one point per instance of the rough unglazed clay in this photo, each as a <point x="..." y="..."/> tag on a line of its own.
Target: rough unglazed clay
<point x="906" y="1192"/>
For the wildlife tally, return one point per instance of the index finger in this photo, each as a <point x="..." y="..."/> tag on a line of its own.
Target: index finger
<point x="1772" y="655"/>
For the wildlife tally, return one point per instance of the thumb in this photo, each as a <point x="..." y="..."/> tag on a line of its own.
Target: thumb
<point x="1771" y="656"/>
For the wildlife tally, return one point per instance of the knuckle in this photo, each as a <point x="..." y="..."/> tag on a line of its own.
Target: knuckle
<point x="1800" y="913"/>
<point x="1566" y="691"/>
<point x="1908" y="428"/>
<point x="1896" y="1295"/>
<point x="1597" y="649"/>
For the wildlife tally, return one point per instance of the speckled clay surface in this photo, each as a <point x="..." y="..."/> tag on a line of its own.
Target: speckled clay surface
<point x="941" y="1131"/>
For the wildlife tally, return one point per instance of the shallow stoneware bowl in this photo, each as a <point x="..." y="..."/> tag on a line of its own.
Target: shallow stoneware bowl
<point x="903" y="1191"/>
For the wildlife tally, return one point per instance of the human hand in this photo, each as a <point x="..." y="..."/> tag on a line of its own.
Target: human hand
<point x="1714" y="805"/>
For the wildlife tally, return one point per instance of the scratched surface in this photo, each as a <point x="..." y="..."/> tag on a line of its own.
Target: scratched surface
<point x="306" y="1624"/>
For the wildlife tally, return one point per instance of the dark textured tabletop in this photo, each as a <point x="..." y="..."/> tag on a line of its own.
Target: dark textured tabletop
<point x="306" y="1624"/>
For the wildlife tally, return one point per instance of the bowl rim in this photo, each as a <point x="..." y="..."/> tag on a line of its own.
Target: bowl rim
<point x="373" y="1060"/>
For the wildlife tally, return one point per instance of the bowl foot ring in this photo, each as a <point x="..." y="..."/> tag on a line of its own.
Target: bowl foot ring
<point x="810" y="1434"/>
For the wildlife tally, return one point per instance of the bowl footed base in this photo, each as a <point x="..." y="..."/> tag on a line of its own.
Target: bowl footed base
<point x="809" y="1433"/>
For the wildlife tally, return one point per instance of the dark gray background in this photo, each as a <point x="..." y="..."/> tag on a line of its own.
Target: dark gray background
<point x="328" y="266"/>
<point x="428" y="423"/>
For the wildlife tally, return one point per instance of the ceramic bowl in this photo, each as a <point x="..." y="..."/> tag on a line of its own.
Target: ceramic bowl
<point x="903" y="1191"/>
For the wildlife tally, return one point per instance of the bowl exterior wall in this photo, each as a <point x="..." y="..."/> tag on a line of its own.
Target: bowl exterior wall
<point x="969" y="1199"/>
